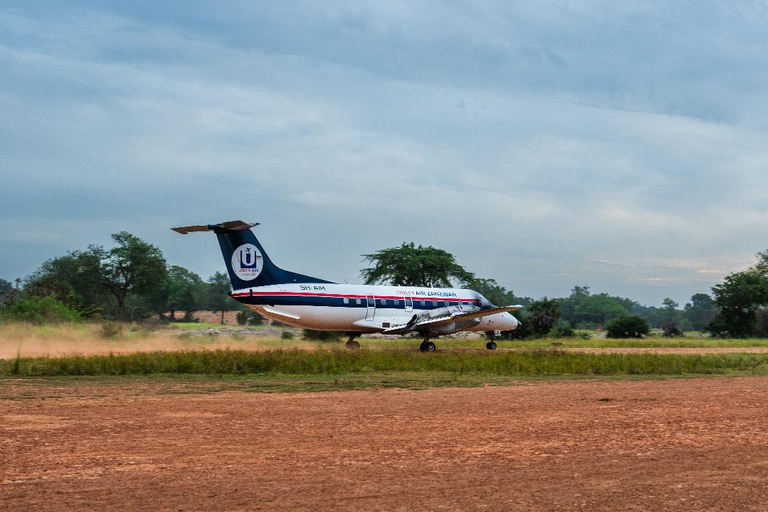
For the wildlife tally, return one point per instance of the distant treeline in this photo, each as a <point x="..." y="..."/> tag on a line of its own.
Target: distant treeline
<point x="132" y="281"/>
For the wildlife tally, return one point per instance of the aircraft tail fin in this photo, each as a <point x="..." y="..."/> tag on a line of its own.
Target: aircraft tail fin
<point x="247" y="263"/>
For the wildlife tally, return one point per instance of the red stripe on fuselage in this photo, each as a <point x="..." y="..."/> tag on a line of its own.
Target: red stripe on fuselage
<point x="342" y="296"/>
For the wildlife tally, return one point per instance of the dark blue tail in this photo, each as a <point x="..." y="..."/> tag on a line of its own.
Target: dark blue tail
<point x="247" y="263"/>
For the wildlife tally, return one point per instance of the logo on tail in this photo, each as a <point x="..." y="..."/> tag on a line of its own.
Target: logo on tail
<point x="247" y="262"/>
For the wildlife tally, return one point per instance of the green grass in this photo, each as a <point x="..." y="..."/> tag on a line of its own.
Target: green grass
<point x="346" y="364"/>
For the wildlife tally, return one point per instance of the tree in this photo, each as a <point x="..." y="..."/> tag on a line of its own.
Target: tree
<point x="183" y="291"/>
<point x="738" y="298"/>
<point x="7" y="294"/>
<point x="41" y="310"/>
<point x="700" y="311"/>
<point x="544" y="315"/>
<point x="409" y="265"/>
<point x="491" y="290"/>
<point x="132" y="266"/>
<point x="5" y="286"/>
<point x="218" y="294"/>
<point x="671" y="313"/>
<point x="630" y="326"/>
<point x="75" y="279"/>
<point x="582" y="307"/>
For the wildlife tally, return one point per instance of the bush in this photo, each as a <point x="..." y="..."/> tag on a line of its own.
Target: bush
<point x="246" y="316"/>
<point x="111" y="330"/>
<point x="309" y="334"/>
<point x="671" y="330"/>
<point x="762" y="323"/>
<point x="628" y="327"/>
<point x="41" y="310"/>
<point x="286" y="335"/>
<point x="562" y="330"/>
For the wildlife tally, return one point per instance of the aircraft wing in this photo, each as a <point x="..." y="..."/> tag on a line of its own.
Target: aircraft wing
<point x="415" y="323"/>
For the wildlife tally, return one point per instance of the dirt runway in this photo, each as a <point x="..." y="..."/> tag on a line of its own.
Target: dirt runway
<point x="683" y="444"/>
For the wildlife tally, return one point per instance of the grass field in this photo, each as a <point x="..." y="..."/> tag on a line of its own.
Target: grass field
<point x="344" y="363"/>
<point x="271" y="363"/>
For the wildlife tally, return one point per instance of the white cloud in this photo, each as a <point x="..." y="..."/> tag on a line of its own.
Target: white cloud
<point x="530" y="139"/>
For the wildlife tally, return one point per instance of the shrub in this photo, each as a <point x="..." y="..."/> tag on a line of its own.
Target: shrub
<point x="111" y="330"/>
<point x="630" y="326"/>
<point x="255" y="319"/>
<point x="41" y="310"/>
<point x="247" y="316"/>
<point x="562" y="330"/>
<point x="671" y="330"/>
<point x="309" y="334"/>
<point x="286" y="335"/>
<point x="762" y="323"/>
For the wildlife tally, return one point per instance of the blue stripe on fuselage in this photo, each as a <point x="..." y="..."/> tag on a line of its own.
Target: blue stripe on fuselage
<point x="294" y="299"/>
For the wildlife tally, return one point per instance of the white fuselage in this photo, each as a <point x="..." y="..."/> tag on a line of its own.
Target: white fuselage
<point x="368" y="308"/>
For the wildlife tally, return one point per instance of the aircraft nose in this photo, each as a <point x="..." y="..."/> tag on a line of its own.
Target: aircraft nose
<point x="513" y="322"/>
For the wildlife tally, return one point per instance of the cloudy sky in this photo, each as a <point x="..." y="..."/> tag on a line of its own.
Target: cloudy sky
<point x="546" y="144"/>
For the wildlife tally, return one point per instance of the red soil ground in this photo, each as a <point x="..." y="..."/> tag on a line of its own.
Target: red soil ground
<point x="685" y="444"/>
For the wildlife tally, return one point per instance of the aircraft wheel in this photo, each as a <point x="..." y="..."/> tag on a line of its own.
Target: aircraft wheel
<point x="353" y="345"/>
<point x="427" y="346"/>
<point x="491" y="345"/>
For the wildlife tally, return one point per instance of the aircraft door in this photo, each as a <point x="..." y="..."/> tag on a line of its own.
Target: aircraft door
<point x="408" y="304"/>
<point x="371" y="307"/>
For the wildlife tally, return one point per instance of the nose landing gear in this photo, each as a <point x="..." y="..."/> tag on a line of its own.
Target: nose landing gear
<point x="427" y="346"/>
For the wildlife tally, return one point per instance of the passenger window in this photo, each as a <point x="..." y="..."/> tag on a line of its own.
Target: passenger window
<point x="422" y="303"/>
<point x="383" y="302"/>
<point x="357" y="301"/>
<point x="397" y="302"/>
<point x="346" y="300"/>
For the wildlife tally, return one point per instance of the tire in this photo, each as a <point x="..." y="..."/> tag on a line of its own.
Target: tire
<point x="491" y="345"/>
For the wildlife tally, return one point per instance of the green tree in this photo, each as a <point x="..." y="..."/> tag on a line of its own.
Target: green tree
<point x="5" y="286"/>
<point x="738" y="298"/>
<point x="7" y="294"/>
<point x="132" y="267"/>
<point x="218" y="295"/>
<point x="183" y="291"/>
<point x="670" y="314"/>
<point x="544" y="315"/>
<point x="700" y="311"/>
<point x="581" y="307"/>
<point x="630" y="326"/>
<point x="75" y="279"/>
<point x="40" y="310"/>
<point x="409" y="265"/>
<point x="492" y="291"/>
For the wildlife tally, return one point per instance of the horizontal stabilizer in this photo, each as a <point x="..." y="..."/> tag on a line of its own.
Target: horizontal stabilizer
<point x="232" y="225"/>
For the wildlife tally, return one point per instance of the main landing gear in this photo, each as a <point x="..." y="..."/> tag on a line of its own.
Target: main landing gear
<point x="491" y="345"/>
<point x="427" y="346"/>
<point x="351" y="343"/>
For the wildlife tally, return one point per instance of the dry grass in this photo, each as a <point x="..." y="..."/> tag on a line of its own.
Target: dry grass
<point x="94" y="339"/>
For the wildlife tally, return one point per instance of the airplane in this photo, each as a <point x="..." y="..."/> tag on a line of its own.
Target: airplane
<point x="313" y="303"/>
